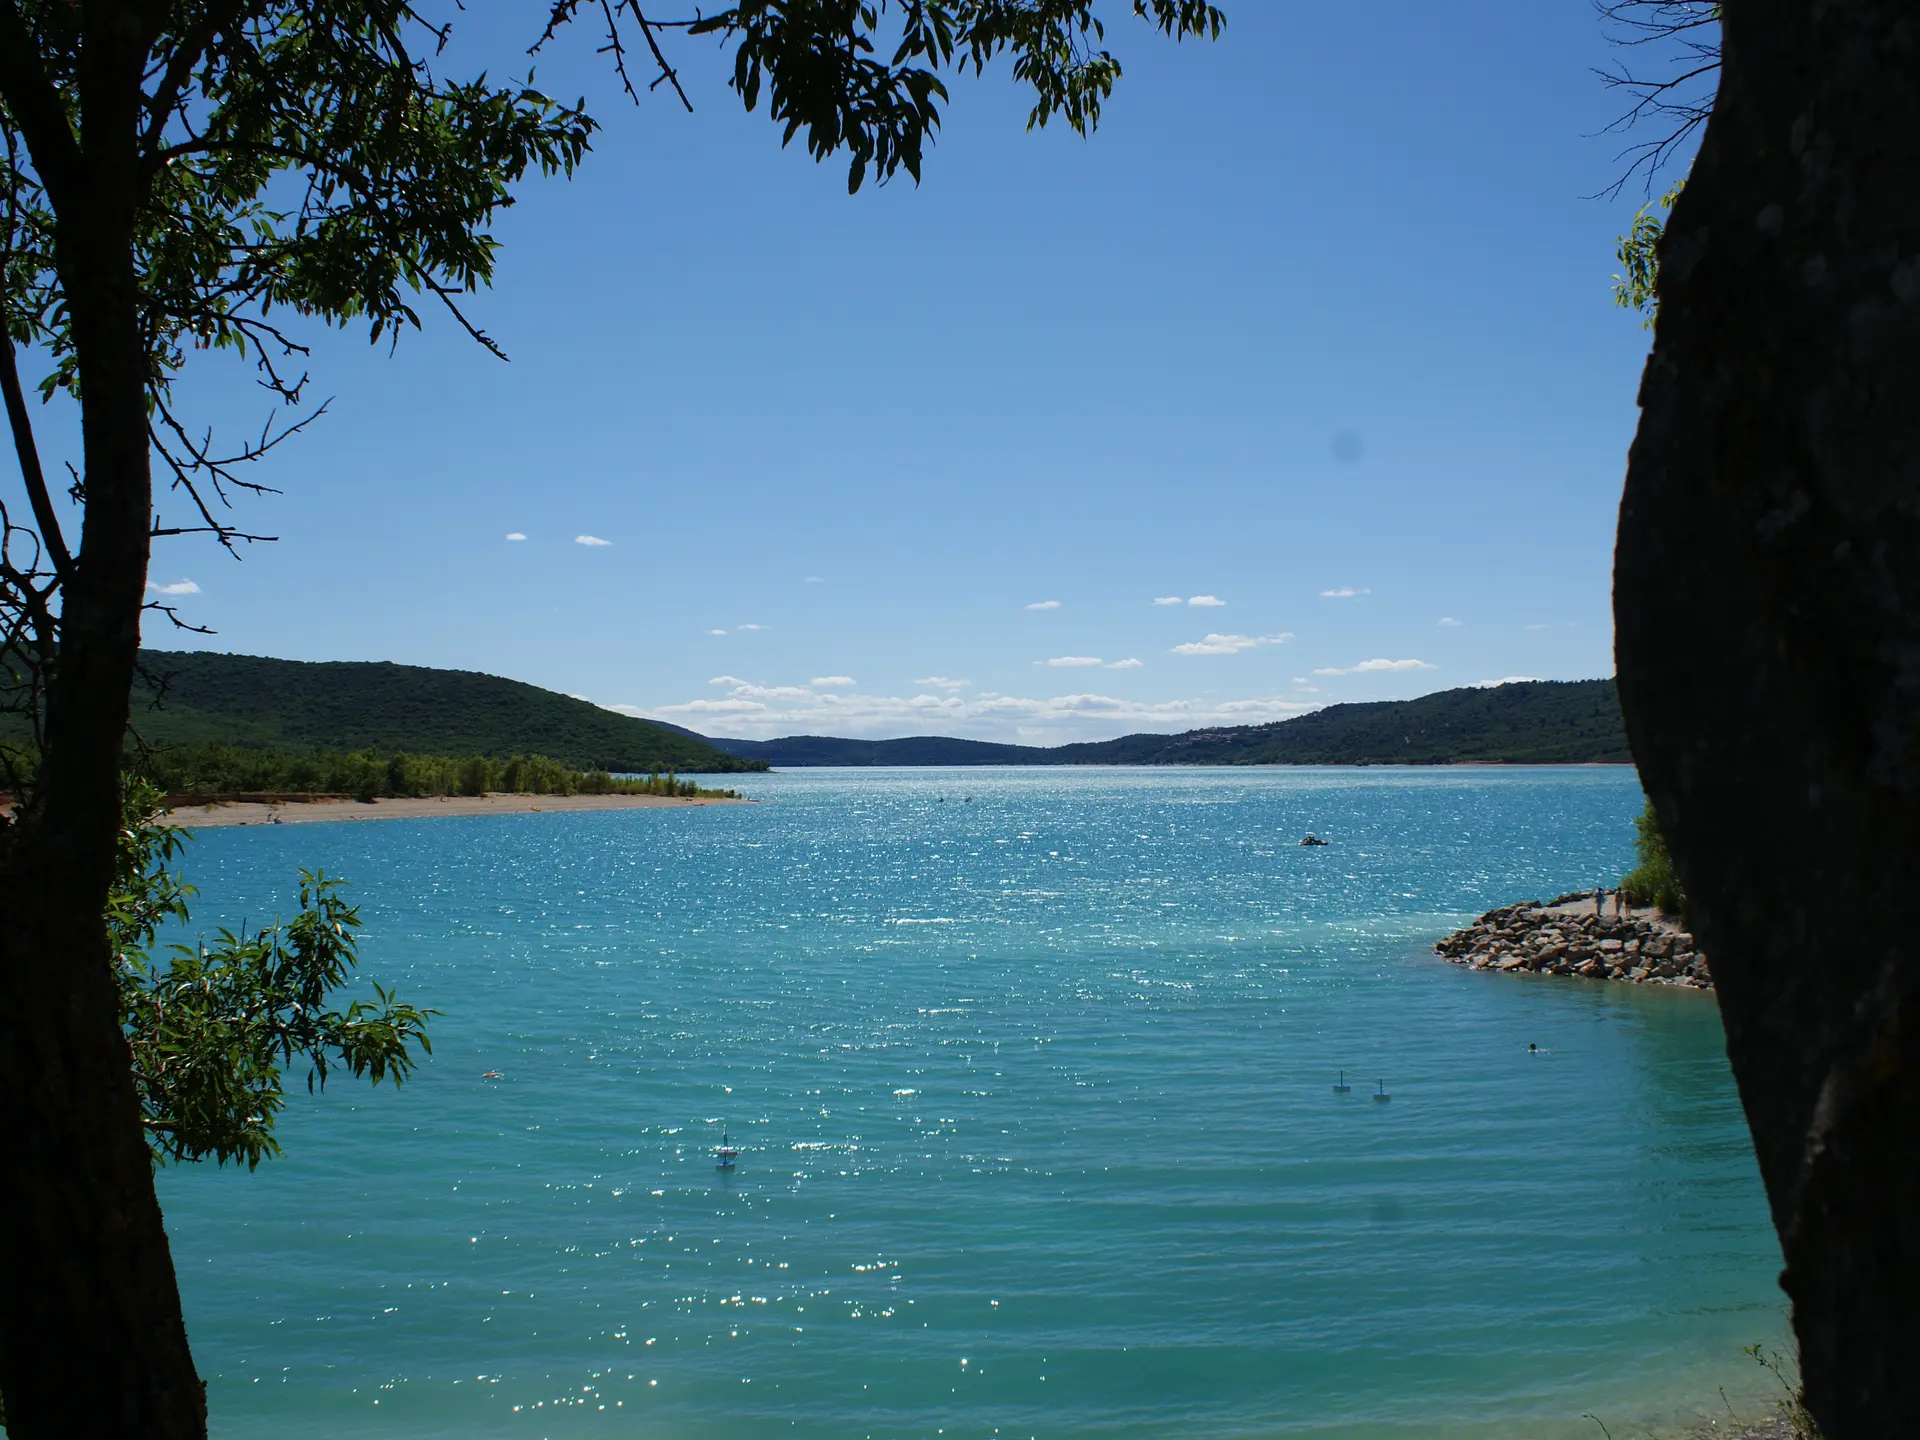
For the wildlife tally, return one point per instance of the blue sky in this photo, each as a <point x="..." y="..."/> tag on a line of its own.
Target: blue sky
<point x="1298" y="383"/>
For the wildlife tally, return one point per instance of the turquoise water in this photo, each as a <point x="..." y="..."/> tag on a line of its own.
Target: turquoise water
<point x="1035" y="1101"/>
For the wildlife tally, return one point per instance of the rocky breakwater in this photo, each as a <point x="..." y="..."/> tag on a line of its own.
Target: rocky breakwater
<point x="1566" y="937"/>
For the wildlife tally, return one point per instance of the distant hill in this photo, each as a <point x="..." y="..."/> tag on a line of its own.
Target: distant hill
<point x="914" y="750"/>
<point x="1539" y="722"/>
<point x="205" y="698"/>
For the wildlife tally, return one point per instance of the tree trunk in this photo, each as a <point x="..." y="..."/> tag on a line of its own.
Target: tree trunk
<point x="92" y="1341"/>
<point x="1767" y="600"/>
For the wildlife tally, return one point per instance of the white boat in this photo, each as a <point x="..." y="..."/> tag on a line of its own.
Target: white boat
<point x="725" y="1154"/>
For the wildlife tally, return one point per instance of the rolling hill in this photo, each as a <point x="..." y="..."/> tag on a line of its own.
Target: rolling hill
<point x="198" y="697"/>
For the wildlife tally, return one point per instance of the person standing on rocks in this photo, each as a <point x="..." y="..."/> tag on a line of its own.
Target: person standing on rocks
<point x="1600" y="902"/>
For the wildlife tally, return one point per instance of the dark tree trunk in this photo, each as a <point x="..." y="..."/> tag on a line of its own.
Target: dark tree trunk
<point x="1767" y="598"/>
<point x="92" y="1341"/>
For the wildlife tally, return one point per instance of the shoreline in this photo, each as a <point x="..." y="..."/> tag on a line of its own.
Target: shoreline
<point x="219" y="814"/>
<point x="1566" y="936"/>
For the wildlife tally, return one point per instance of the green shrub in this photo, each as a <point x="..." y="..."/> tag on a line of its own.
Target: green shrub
<point x="367" y="774"/>
<point x="1653" y="881"/>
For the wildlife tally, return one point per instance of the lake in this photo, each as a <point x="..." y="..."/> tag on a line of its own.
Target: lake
<point x="1032" y="1075"/>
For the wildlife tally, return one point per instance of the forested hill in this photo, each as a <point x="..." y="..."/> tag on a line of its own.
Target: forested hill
<point x="288" y="705"/>
<point x="1539" y="722"/>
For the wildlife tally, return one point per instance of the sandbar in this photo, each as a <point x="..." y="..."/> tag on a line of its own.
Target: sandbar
<point x="309" y="812"/>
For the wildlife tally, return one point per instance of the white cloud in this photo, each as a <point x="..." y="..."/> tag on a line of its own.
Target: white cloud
<point x="831" y="682"/>
<point x="761" y="712"/>
<point x="716" y="632"/>
<point x="1168" y="600"/>
<point x="813" y="580"/>
<point x="1206" y="601"/>
<point x="728" y="680"/>
<point x="1044" y="605"/>
<point x="590" y="540"/>
<point x="1070" y="662"/>
<point x="1536" y="627"/>
<point x="515" y="535"/>
<point x="1229" y="644"/>
<point x="1128" y="664"/>
<point x="179" y="587"/>
<point x="942" y="682"/>
<point x="1373" y="667"/>
<point x="1449" y="622"/>
<point x="775" y="692"/>
<point x="751" y="627"/>
<point x="1344" y="592"/>
<point x="1505" y="680"/>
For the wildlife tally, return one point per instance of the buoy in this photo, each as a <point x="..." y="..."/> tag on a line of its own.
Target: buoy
<point x="1381" y="1093"/>
<point x="1343" y="1088"/>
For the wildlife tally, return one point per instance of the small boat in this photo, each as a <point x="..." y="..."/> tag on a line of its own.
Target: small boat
<point x="1313" y="839"/>
<point x="725" y="1154"/>
<point x="1343" y="1088"/>
<point x="1381" y="1093"/>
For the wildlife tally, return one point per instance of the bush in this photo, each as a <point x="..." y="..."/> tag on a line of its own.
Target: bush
<point x="1653" y="881"/>
<point x="367" y="774"/>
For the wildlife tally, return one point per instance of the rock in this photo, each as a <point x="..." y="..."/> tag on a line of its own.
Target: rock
<point x="1527" y="937"/>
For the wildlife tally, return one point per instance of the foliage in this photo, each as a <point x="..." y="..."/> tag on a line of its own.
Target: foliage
<point x="200" y="697"/>
<point x="817" y="62"/>
<point x="1653" y="881"/>
<point x="1639" y="253"/>
<point x="212" y="1029"/>
<point x="1793" y="1402"/>
<point x="369" y="774"/>
<point x="296" y="155"/>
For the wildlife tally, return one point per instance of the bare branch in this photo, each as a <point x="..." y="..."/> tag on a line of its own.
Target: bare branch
<point x="1687" y="34"/>
<point x="563" y="11"/>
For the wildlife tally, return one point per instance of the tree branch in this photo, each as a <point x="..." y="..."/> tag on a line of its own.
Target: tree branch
<point x="35" y="105"/>
<point x="193" y="46"/>
<point x="23" y="445"/>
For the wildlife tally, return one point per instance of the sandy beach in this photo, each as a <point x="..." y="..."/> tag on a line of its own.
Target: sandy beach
<point x="202" y="817"/>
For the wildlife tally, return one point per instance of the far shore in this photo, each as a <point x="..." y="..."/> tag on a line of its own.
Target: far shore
<point x="329" y="810"/>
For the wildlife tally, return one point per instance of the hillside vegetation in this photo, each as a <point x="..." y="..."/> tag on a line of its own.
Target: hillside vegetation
<point x="1540" y="722"/>
<point x="197" y="698"/>
<point x="367" y="774"/>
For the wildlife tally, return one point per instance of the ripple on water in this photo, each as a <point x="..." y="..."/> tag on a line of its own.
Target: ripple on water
<point x="1041" y="1084"/>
